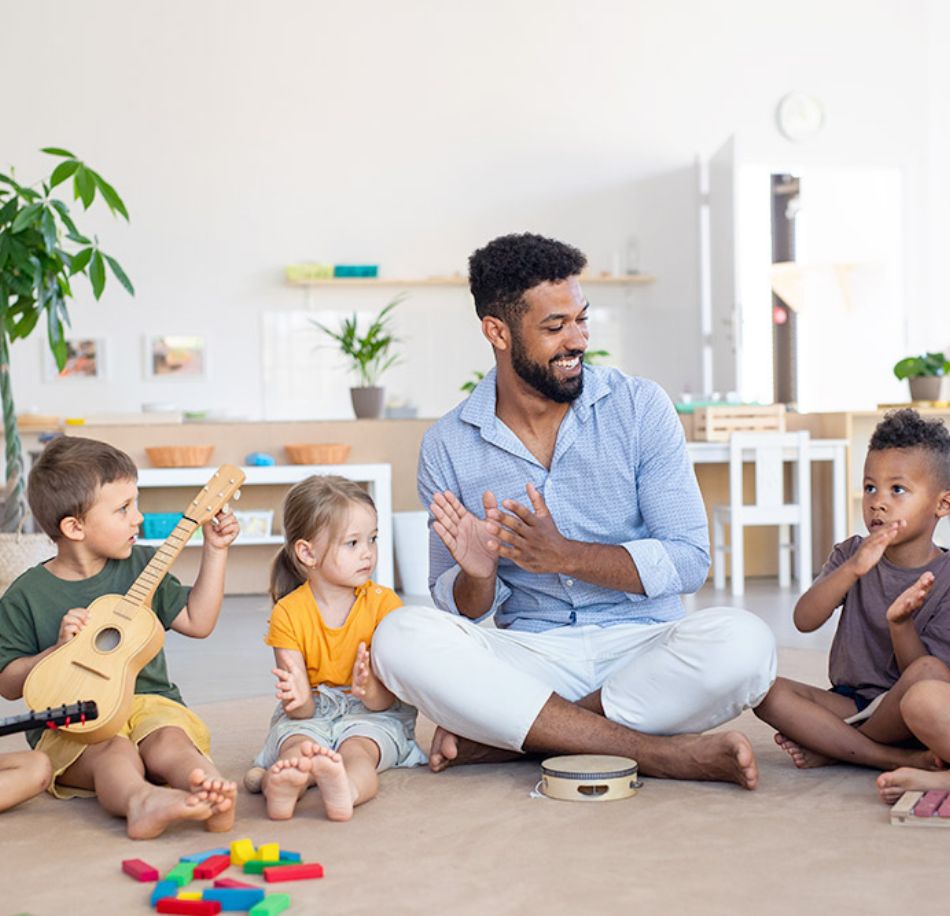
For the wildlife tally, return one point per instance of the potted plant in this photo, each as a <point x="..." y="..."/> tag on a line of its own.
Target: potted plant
<point x="41" y="250"/>
<point x="925" y="375"/>
<point x="369" y="355"/>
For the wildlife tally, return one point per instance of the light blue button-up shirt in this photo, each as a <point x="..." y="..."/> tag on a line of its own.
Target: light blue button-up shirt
<point x="620" y="475"/>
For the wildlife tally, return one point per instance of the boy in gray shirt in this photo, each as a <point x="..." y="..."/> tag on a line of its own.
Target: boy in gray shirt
<point x="893" y="587"/>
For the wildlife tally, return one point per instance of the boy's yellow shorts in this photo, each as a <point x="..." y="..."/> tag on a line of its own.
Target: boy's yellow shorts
<point x="149" y="713"/>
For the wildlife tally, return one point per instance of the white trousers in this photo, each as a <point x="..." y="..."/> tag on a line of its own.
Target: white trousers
<point x="489" y="685"/>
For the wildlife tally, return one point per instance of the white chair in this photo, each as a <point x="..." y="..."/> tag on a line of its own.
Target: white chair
<point x="769" y="452"/>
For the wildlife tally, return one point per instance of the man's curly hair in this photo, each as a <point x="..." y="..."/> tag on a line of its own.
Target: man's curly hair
<point x="905" y="428"/>
<point x="507" y="267"/>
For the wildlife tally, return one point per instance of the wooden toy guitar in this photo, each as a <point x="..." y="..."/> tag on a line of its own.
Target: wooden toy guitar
<point x="62" y="715"/>
<point x="123" y="634"/>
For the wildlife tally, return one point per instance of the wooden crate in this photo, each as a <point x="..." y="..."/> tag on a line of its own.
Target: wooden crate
<point x="717" y="423"/>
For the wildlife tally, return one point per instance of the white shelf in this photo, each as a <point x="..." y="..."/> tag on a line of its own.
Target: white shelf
<point x="378" y="478"/>
<point x="593" y="279"/>
<point x="240" y="542"/>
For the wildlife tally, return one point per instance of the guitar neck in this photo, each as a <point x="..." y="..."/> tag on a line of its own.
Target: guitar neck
<point x="151" y="577"/>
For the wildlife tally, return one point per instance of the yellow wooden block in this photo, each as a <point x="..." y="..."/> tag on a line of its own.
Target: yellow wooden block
<point x="269" y="852"/>
<point x="189" y="895"/>
<point x="242" y="851"/>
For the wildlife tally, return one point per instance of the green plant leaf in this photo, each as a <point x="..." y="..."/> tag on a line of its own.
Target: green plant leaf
<point x="80" y="260"/>
<point x="57" y="151"/>
<point x="120" y="274"/>
<point x="63" y="171"/>
<point x="8" y="210"/>
<point x="97" y="275"/>
<point x="48" y="229"/>
<point x="109" y="194"/>
<point x="84" y="186"/>
<point x="25" y="217"/>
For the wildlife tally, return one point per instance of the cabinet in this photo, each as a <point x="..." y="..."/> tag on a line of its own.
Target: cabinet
<point x="264" y="488"/>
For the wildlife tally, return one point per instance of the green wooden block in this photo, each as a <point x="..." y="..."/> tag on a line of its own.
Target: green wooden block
<point x="182" y="873"/>
<point x="256" y="866"/>
<point x="270" y="905"/>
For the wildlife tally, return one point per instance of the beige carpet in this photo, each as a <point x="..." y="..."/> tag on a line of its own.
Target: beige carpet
<point x="472" y="840"/>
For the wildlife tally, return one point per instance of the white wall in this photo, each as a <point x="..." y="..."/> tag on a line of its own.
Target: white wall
<point x="245" y="136"/>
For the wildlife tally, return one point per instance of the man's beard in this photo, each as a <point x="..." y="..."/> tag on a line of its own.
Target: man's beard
<point x="543" y="378"/>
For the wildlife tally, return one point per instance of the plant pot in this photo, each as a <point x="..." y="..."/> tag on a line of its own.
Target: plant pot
<point x="19" y="552"/>
<point x="368" y="403"/>
<point x="926" y="387"/>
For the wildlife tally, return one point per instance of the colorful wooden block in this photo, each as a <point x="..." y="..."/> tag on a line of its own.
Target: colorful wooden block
<point x="234" y="898"/>
<point x="212" y="867"/>
<point x="199" y="857"/>
<point x="163" y="889"/>
<point x="189" y="895"/>
<point x="242" y="851"/>
<point x="293" y="872"/>
<point x="182" y="873"/>
<point x="139" y="870"/>
<point x="256" y="866"/>
<point x="269" y="852"/>
<point x="271" y="905"/>
<point x="287" y="856"/>
<point x="188" y="907"/>
<point x="230" y="882"/>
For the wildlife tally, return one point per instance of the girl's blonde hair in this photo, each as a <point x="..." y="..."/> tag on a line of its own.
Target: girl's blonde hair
<point x="313" y="507"/>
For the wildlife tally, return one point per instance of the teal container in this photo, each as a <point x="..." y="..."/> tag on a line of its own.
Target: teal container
<point x="356" y="270"/>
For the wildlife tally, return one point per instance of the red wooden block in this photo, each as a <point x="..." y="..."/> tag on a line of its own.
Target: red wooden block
<point x="293" y="872"/>
<point x="139" y="870"/>
<point x="230" y="882"/>
<point x="212" y="866"/>
<point x="188" y="907"/>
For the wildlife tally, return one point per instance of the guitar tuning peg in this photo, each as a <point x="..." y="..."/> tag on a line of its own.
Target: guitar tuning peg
<point x="237" y="495"/>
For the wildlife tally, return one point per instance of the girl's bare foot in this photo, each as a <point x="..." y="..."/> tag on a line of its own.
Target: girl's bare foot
<point x="283" y="785"/>
<point x="220" y="794"/>
<point x="892" y="785"/>
<point x="155" y="807"/>
<point x="802" y="757"/>
<point x="330" y="776"/>
<point x="253" y="779"/>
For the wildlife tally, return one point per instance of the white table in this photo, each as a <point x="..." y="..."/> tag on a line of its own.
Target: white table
<point x="833" y="450"/>
<point x="377" y="477"/>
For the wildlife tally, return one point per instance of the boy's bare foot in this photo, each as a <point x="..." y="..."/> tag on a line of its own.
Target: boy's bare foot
<point x="892" y="785"/>
<point x="220" y="794"/>
<point x="284" y="783"/>
<point x="802" y="757"/>
<point x="155" y="807"/>
<point x="452" y="750"/>
<point x="330" y="775"/>
<point x="253" y="779"/>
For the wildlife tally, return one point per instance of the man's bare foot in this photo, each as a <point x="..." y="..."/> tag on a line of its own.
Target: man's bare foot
<point x="330" y="776"/>
<point x="283" y="785"/>
<point x="720" y="756"/>
<point x="892" y="785"/>
<point x="155" y="807"/>
<point x="802" y="757"/>
<point x="451" y="750"/>
<point x="220" y="794"/>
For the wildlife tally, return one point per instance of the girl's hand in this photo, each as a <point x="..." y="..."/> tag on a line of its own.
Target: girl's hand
<point x="221" y="531"/>
<point x="910" y="601"/>
<point x="73" y="621"/>
<point x="364" y="678"/>
<point x="872" y="548"/>
<point x="293" y="687"/>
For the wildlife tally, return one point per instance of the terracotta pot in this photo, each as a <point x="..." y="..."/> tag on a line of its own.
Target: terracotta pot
<point x="368" y="403"/>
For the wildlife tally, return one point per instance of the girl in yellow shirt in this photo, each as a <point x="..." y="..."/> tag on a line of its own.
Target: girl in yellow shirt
<point x="336" y="726"/>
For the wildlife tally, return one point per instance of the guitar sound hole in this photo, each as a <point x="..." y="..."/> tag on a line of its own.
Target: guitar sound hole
<point x="107" y="639"/>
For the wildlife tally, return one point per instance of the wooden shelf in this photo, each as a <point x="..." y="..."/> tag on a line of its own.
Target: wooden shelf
<point x="625" y="280"/>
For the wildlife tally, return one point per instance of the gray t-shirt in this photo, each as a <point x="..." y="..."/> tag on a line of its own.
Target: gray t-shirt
<point x="862" y="655"/>
<point x="34" y="604"/>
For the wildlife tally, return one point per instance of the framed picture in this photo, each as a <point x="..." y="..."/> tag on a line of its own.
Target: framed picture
<point x="172" y="356"/>
<point x="85" y="359"/>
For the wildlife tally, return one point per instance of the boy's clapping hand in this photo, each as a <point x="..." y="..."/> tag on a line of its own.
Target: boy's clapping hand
<point x="872" y="548"/>
<point x="910" y="600"/>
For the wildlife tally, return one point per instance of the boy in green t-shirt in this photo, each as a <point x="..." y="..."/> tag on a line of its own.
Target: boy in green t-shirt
<point x="84" y="495"/>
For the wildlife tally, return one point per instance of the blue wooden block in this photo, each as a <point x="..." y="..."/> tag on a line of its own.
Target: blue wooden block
<point x="198" y="857"/>
<point x="234" y="898"/>
<point x="163" y="889"/>
<point x="287" y="856"/>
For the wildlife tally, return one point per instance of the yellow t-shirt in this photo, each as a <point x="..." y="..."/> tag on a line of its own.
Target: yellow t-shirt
<point x="329" y="652"/>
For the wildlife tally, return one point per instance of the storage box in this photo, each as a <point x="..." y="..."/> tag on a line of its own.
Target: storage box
<point x="255" y="523"/>
<point x="156" y="526"/>
<point x="717" y="423"/>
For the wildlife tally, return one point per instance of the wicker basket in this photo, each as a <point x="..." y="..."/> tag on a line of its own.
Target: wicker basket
<point x="179" y="456"/>
<point x="318" y="453"/>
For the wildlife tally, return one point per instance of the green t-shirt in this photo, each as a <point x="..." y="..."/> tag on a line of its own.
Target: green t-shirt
<point x="33" y="606"/>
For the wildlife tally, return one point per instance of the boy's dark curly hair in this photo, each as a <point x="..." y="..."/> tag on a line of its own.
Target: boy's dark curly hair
<point x="905" y="428"/>
<point x="500" y="273"/>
